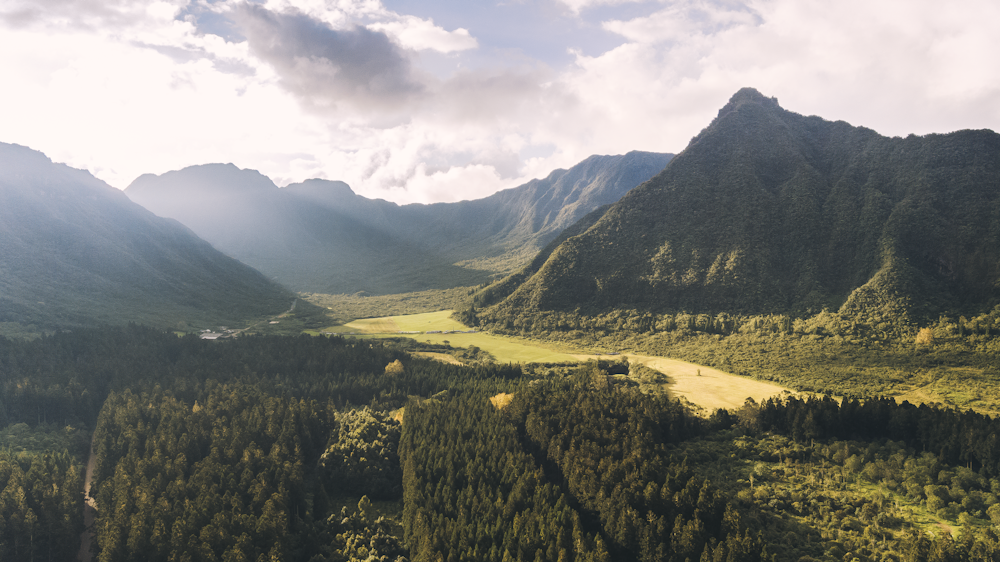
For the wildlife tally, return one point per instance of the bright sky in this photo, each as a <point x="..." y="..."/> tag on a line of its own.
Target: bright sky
<point x="443" y="100"/>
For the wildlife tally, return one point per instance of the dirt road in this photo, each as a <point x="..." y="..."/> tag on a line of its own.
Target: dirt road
<point x="89" y="510"/>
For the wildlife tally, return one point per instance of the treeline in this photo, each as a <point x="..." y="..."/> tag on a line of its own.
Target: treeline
<point x="808" y="459"/>
<point x="955" y="438"/>
<point x="637" y="322"/>
<point x="956" y="364"/>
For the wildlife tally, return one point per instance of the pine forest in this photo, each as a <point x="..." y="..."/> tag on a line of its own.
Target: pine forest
<point x="268" y="448"/>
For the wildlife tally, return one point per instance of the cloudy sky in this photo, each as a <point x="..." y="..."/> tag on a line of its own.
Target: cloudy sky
<point x="442" y="100"/>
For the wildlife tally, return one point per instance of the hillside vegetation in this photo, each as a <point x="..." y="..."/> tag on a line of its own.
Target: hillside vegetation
<point x="792" y="249"/>
<point x="771" y="212"/>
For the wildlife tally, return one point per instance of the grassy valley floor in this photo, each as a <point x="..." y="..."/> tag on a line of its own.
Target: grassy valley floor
<point x="704" y="387"/>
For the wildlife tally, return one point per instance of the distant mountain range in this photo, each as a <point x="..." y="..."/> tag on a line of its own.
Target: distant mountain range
<point x="319" y="236"/>
<point x="768" y="211"/>
<point x="76" y="252"/>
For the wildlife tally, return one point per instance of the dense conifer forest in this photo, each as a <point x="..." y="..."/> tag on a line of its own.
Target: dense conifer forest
<point x="271" y="448"/>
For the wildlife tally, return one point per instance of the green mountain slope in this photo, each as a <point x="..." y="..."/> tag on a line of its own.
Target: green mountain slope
<point x="768" y="211"/>
<point x="320" y="236"/>
<point x="75" y="251"/>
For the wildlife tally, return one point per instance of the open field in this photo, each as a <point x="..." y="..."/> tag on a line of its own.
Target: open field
<point x="707" y="387"/>
<point x="440" y="320"/>
<point x="375" y="325"/>
<point x="504" y="349"/>
<point x="702" y="386"/>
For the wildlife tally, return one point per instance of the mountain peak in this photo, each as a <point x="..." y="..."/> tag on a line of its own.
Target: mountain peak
<point x="748" y="96"/>
<point x="771" y="212"/>
<point x="92" y="256"/>
<point x="320" y="188"/>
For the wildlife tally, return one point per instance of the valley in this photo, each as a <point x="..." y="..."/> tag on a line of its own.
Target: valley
<point x="778" y="345"/>
<point x="704" y="387"/>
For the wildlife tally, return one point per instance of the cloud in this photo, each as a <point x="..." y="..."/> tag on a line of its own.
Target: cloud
<point x="419" y="34"/>
<point x="82" y="14"/>
<point x="325" y="67"/>
<point x="576" y="6"/>
<point x="897" y="67"/>
<point x="681" y="21"/>
<point x="402" y="108"/>
<point x="457" y="183"/>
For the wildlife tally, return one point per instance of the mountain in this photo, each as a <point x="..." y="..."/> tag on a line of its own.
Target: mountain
<point x="319" y="236"/>
<point x="77" y="252"/>
<point x="768" y="211"/>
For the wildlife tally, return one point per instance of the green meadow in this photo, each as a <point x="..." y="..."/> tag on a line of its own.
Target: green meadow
<point x="706" y="387"/>
<point x="504" y="349"/>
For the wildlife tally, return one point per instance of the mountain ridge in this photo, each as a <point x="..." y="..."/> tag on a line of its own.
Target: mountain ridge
<point x="78" y="252"/>
<point x="320" y="236"/>
<point x="767" y="211"/>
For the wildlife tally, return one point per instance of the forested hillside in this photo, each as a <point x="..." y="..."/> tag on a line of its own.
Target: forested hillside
<point x="291" y="448"/>
<point x="770" y="212"/>
<point x="77" y="252"/>
<point x="319" y="236"/>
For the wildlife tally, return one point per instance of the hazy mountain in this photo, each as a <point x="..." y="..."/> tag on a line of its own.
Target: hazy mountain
<point x="770" y="211"/>
<point x="295" y="241"/>
<point x="75" y="251"/>
<point x="320" y="236"/>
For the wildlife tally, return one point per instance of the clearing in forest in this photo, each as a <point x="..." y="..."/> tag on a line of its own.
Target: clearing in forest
<point x="504" y="349"/>
<point x="707" y="387"/>
<point x="429" y="321"/>
<point x="384" y="325"/>
<point x="702" y="386"/>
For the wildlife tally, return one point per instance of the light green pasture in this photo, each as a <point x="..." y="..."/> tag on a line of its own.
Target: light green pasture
<point x="504" y="349"/>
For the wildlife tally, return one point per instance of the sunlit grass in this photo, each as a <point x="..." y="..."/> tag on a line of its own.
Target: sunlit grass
<point x="703" y="386"/>
<point x="504" y="349"/>
<point x="707" y="387"/>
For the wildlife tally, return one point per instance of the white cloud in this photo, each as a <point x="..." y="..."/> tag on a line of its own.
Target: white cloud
<point x="120" y="109"/>
<point x="685" y="20"/>
<point x="457" y="183"/>
<point x="123" y="88"/>
<point x="897" y="67"/>
<point x="82" y="14"/>
<point x="576" y="6"/>
<point x="420" y="34"/>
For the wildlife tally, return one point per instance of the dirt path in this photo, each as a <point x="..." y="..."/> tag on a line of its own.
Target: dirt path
<point x="89" y="510"/>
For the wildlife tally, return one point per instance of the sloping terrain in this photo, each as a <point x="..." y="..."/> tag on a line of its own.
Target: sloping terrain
<point x="319" y="236"/>
<point x="771" y="212"/>
<point x="78" y="252"/>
